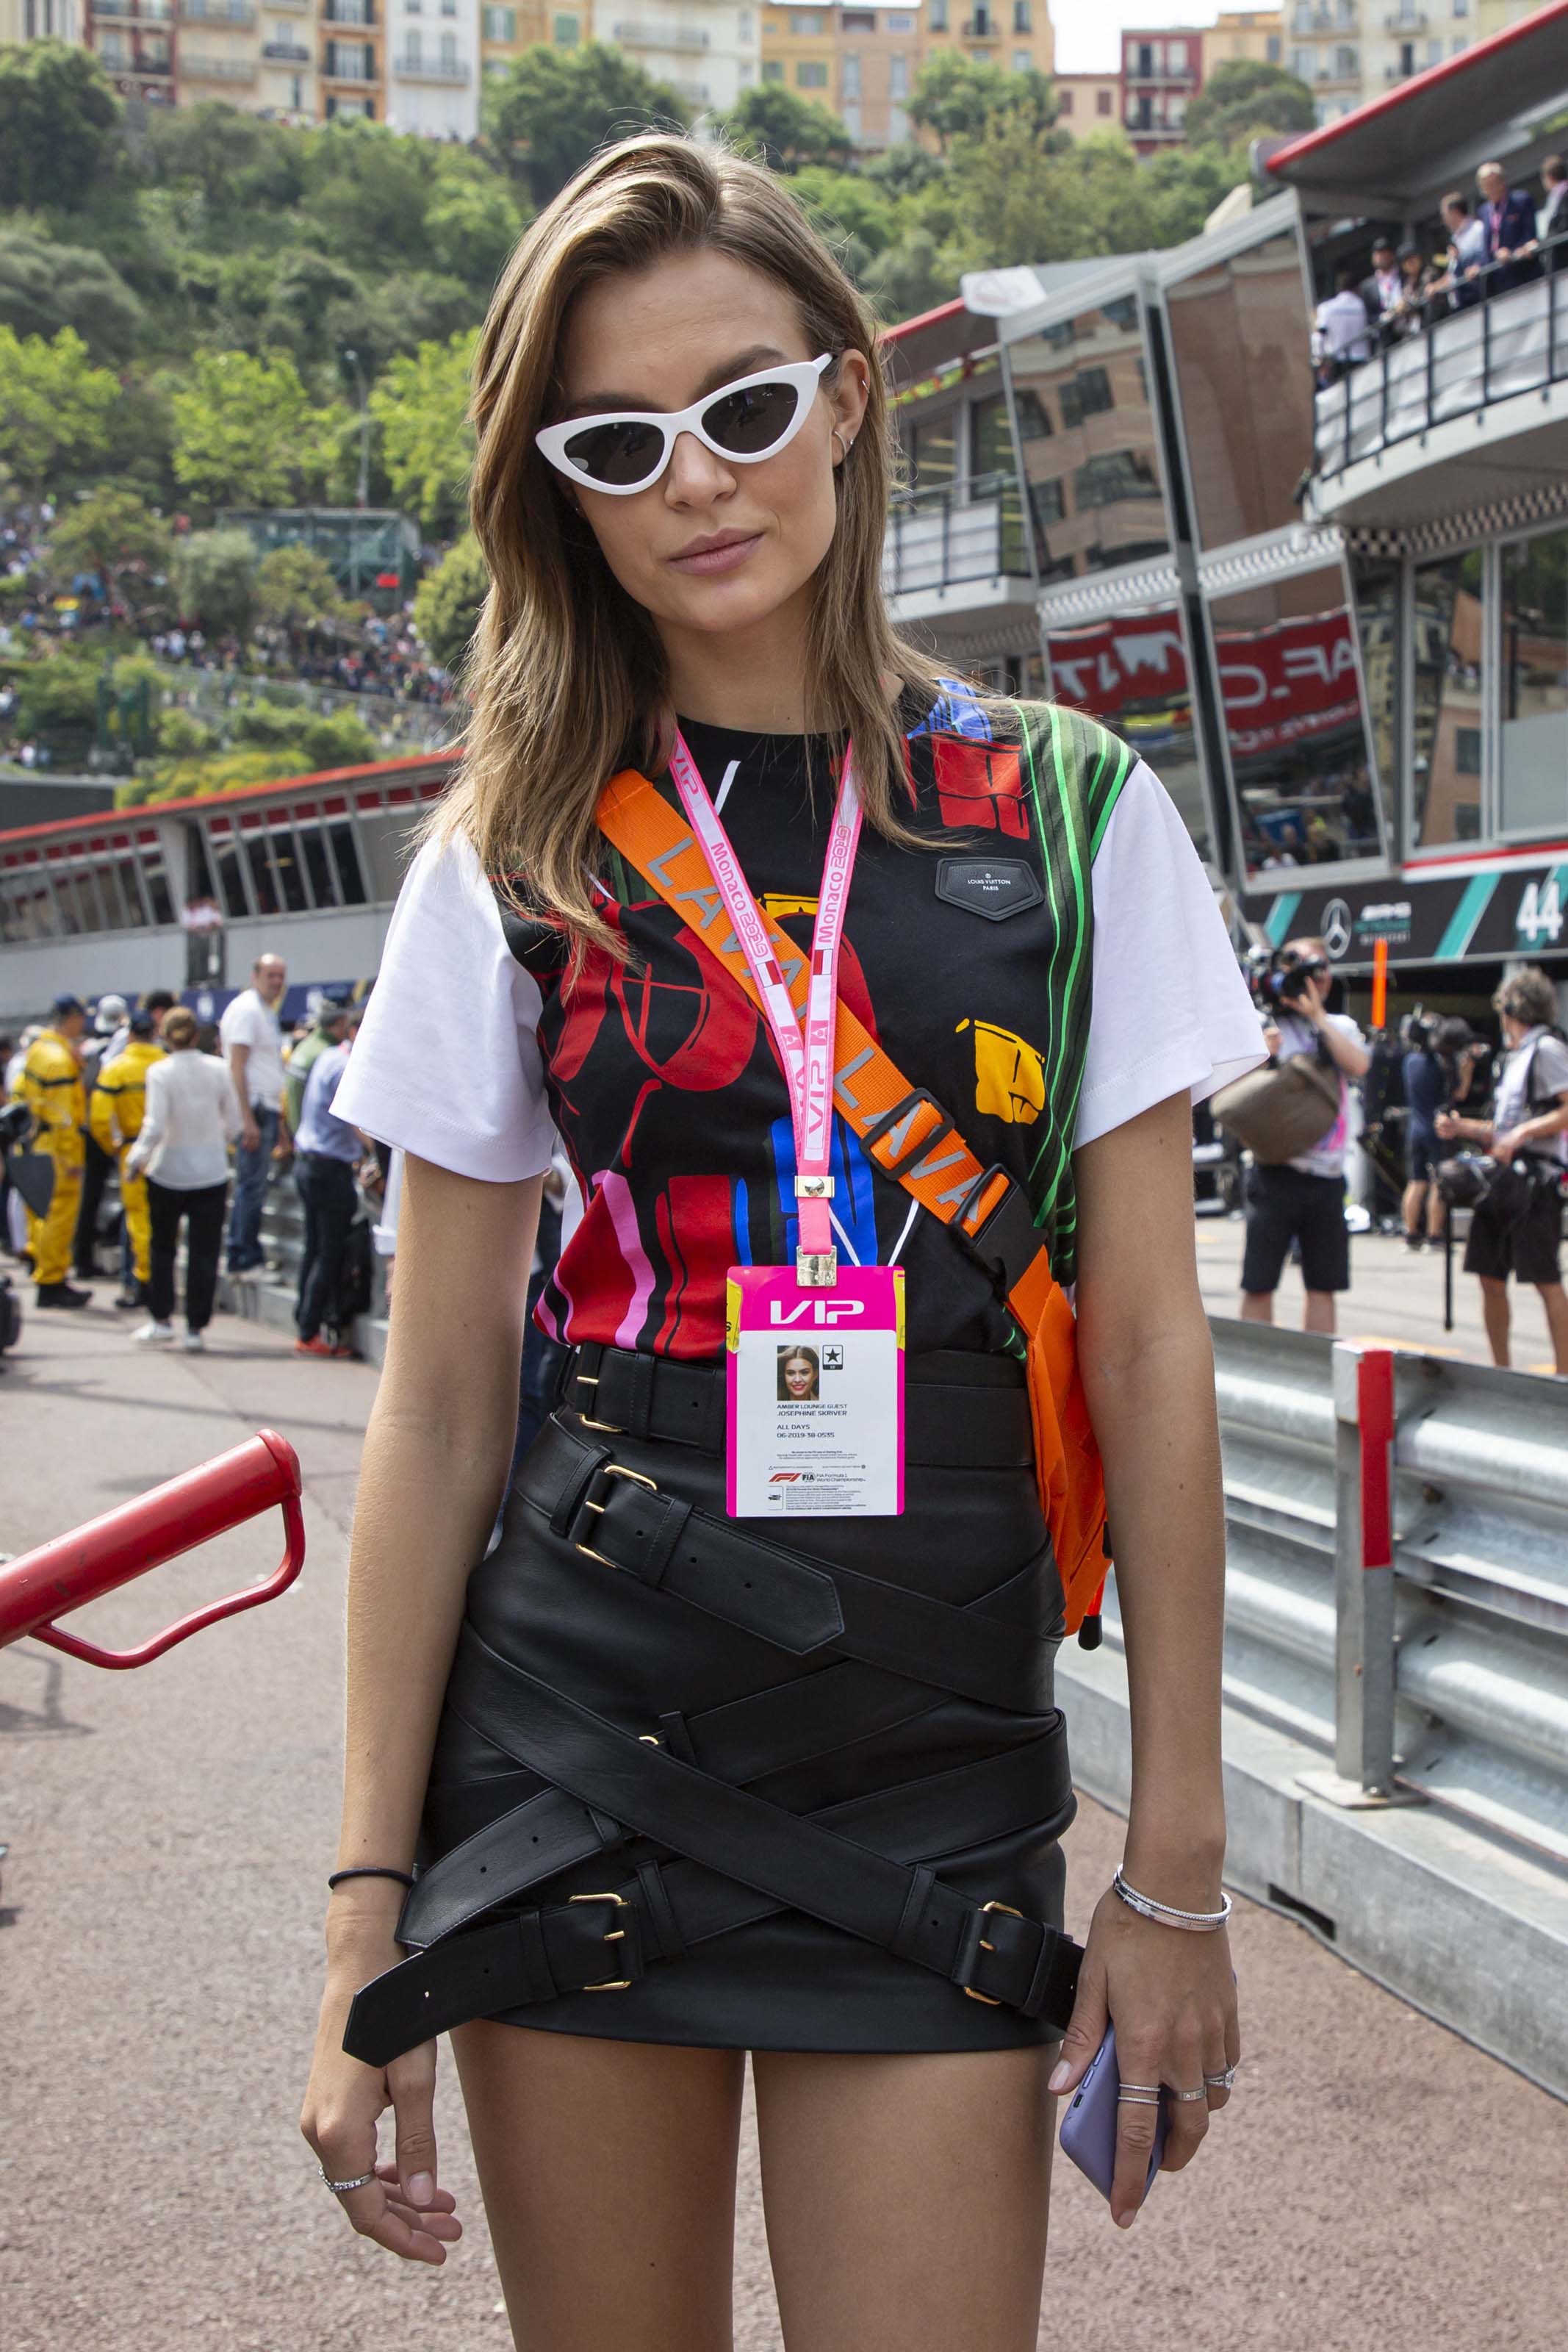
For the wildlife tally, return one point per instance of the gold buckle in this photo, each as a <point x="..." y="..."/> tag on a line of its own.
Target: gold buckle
<point x="591" y="1380"/>
<point x="968" y="1991"/>
<point x="610" y="1470"/>
<point x="612" y="1935"/>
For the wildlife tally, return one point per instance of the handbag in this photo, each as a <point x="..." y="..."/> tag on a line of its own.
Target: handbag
<point x="909" y="1137"/>
<point x="1282" y="1109"/>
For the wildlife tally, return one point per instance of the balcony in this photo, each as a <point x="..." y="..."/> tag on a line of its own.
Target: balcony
<point x="223" y="13"/>
<point x="286" y="53"/>
<point x="225" y="69"/>
<point x="1489" y="372"/>
<point x="455" y="72"/>
<point x="651" y="36"/>
<point x="1396" y="24"/>
<point x="359" y="13"/>
<point x="981" y="28"/>
<point x="956" y="535"/>
<point x="358" y="73"/>
<point x="134" y="12"/>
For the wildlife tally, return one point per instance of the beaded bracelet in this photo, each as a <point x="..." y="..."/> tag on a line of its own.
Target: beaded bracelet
<point x="1196" y="1922"/>
<point x="369" y="1870"/>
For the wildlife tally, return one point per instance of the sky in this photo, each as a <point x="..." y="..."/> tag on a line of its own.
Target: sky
<point x="1088" y="32"/>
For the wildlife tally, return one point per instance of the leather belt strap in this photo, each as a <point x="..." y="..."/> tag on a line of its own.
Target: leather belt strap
<point x="746" y="1858"/>
<point x="949" y="1423"/>
<point x="743" y="1741"/>
<point x="620" y="1518"/>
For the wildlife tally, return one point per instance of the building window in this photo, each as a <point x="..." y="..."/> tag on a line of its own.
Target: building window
<point x="898" y="76"/>
<point x="849" y="79"/>
<point x="811" y="73"/>
<point x="804" y="27"/>
<point x="1533" y="795"/>
<point x="1088" y="393"/>
<point x="901" y="23"/>
<point x="1446" y="779"/>
<point x="566" y="32"/>
<point x="936" y="16"/>
<point x="449" y="53"/>
<point x="1459" y="43"/>
<point x="1346" y="64"/>
<point x="772" y="69"/>
<point x="1063" y="99"/>
<point x="745" y="26"/>
<point x="500" y="23"/>
<point x="1273" y="48"/>
<point x="1023" y="19"/>
<point x="857" y="20"/>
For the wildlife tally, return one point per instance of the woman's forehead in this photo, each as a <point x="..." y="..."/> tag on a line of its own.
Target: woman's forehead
<point x="662" y="332"/>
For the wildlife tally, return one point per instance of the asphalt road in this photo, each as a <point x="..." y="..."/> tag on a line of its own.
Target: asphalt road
<point x="1376" y="2184"/>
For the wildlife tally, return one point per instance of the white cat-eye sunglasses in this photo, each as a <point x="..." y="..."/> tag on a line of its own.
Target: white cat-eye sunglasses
<point x="743" y="422"/>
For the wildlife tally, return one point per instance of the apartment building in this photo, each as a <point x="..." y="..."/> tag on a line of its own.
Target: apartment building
<point x="433" y="68"/>
<point x="1244" y="37"/>
<point x="1088" y="103"/>
<point x="41" y="20"/>
<point x="708" y="51"/>
<point x="862" y="62"/>
<point x="1162" y="73"/>
<point x="135" y="41"/>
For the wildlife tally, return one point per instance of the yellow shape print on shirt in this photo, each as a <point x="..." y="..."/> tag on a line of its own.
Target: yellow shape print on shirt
<point x="779" y="903"/>
<point x="1009" y="1074"/>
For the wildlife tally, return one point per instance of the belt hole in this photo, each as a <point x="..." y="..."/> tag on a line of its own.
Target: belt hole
<point x="483" y="1869"/>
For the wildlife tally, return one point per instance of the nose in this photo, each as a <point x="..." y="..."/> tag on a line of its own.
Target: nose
<point x="695" y="476"/>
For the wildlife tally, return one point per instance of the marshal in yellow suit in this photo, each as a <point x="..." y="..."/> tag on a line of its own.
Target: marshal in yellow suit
<point x="115" y="1111"/>
<point x="51" y="1087"/>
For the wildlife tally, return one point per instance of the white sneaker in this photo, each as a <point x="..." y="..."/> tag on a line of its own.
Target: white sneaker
<point x="248" y="1273"/>
<point x="154" y="1335"/>
<point x="193" y="1344"/>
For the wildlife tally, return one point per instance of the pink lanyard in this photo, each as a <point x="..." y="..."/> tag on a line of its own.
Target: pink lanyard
<point x="805" y="1049"/>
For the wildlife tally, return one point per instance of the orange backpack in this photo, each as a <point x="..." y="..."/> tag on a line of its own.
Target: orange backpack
<point x="910" y="1138"/>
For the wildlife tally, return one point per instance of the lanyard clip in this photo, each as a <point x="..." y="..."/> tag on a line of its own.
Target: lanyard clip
<point x="814" y="1188"/>
<point x="816" y="1269"/>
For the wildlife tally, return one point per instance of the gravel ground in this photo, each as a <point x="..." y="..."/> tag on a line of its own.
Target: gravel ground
<point x="1377" y="2184"/>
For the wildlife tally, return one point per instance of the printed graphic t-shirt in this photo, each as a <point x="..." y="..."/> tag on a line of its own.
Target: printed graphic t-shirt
<point x="1051" y="965"/>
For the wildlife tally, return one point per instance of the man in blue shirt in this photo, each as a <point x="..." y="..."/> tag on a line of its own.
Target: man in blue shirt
<point x="326" y="1149"/>
<point x="1508" y="219"/>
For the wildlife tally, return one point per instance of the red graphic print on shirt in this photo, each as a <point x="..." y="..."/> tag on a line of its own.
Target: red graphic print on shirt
<point x="979" y="784"/>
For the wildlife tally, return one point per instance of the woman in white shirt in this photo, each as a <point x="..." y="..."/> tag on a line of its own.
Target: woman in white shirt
<point x="192" y="1118"/>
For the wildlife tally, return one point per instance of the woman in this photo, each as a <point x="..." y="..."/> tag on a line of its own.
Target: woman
<point x="798" y="1371"/>
<point x="686" y="570"/>
<point x="1517" y="1227"/>
<point x="182" y="1149"/>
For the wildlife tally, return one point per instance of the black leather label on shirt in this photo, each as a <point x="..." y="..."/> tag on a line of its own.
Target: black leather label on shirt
<point x="993" y="886"/>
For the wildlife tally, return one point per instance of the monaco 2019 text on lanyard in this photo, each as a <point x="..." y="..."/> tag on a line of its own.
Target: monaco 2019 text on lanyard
<point x="805" y="1048"/>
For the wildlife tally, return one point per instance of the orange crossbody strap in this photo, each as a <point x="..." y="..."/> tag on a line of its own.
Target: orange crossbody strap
<point x="910" y="1138"/>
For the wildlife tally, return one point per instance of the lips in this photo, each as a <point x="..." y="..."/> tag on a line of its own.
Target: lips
<point x="723" y="550"/>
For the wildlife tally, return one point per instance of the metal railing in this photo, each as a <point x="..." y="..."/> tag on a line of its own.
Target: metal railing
<point x="957" y="531"/>
<point x="1491" y="345"/>
<point x="412" y="67"/>
<point x="1397" y="1589"/>
<point x="236" y="69"/>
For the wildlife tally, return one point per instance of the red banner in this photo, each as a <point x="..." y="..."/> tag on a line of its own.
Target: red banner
<point x="1288" y="681"/>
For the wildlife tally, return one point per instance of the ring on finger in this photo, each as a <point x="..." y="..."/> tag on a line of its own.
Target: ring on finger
<point x="341" y="2188"/>
<point x="1221" y="2082"/>
<point x="1201" y="2093"/>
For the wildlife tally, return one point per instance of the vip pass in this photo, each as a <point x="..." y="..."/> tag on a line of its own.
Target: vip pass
<point x="815" y="1358"/>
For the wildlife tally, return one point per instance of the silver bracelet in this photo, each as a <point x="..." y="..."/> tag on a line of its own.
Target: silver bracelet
<point x="1199" y="1923"/>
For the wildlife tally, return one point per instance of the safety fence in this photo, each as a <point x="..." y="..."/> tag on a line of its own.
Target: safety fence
<point x="1396" y="1593"/>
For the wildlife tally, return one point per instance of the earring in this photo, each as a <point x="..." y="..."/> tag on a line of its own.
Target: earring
<point x="845" y="446"/>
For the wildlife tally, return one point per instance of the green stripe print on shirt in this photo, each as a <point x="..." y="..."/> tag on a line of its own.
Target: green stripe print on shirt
<point x="1076" y="769"/>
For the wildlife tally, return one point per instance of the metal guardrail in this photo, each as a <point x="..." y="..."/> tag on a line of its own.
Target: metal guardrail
<point x="957" y="531"/>
<point x="1493" y="346"/>
<point x="1396" y="1593"/>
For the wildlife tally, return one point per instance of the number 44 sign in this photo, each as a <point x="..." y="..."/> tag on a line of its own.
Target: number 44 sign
<point x="1540" y="918"/>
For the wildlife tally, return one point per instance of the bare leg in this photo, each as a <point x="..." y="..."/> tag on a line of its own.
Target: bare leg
<point x="906" y="2198"/>
<point x="1318" y="1314"/>
<point x="608" y="2172"/>
<point x="1495" y="1316"/>
<point x="1256" y="1307"/>
<point x="1436" y="1211"/>
<point x="1412" y="1205"/>
<point x="1556" y="1307"/>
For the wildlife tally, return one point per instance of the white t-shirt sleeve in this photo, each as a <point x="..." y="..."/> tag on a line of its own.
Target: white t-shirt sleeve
<point x="446" y="1063"/>
<point x="1170" y="1007"/>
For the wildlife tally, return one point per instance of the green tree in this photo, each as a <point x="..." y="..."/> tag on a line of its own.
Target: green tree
<point x="246" y="432"/>
<point x="956" y="96"/>
<point x="214" y="581"/>
<point x="851" y="213"/>
<point x="57" y="704"/>
<point x="427" y="446"/>
<point x="1246" y="97"/>
<point x="294" y="587"/>
<point x="45" y="287"/>
<point x="911" y="276"/>
<point x="472" y="221"/>
<point x="54" y="406"/>
<point x="448" y="601"/>
<point x="365" y="192"/>
<point x="57" y="119"/>
<point x="242" y="167"/>
<point x="113" y="533"/>
<point x="785" y="131"/>
<point x="552" y="108"/>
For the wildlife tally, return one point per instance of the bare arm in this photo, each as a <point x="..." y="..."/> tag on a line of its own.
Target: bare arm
<point x="1148" y="1377"/>
<point x="239" y="1062"/>
<point x="1353" y="1059"/>
<point x="436" y="1457"/>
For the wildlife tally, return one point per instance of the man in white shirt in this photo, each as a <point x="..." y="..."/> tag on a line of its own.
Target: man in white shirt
<point x="252" y="1039"/>
<point x="1342" y="332"/>
<point x="1304" y="1200"/>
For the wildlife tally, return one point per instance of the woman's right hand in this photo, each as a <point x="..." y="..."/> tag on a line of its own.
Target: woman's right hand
<point x="402" y="2209"/>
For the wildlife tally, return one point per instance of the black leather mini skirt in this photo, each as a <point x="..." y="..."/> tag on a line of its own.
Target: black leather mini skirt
<point x="696" y="1784"/>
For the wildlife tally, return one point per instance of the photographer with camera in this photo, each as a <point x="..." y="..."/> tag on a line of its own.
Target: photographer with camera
<point x="1302" y="1200"/>
<point x="1516" y="1226"/>
<point x="1438" y="1069"/>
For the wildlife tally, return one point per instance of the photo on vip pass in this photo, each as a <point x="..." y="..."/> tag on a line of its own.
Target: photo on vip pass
<point x="799" y="1374"/>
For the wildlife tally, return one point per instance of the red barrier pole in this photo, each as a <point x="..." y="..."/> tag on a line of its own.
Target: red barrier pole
<point x="124" y="1543"/>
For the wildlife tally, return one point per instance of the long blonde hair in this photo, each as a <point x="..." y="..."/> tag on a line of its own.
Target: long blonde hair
<point x="566" y="672"/>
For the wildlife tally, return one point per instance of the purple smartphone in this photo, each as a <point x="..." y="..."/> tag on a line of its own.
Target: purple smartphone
<point x="1089" y="2127"/>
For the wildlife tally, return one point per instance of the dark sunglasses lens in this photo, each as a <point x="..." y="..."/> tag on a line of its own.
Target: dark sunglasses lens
<point x="748" y="423"/>
<point x="618" y="454"/>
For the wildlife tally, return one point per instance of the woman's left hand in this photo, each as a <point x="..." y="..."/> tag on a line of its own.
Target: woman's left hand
<point x="1171" y="1995"/>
